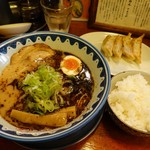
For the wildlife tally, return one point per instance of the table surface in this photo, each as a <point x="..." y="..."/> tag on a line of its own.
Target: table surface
<point x="107" y="136"/>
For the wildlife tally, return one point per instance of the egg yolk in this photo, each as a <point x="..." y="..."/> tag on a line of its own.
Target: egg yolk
<point x="71" y="64"/>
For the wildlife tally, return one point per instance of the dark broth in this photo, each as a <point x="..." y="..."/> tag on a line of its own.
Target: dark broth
<point x="77" y="91"/>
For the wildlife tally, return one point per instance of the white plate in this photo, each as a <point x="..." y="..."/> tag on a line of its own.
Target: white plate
<point x="96" y="38"/>
<point x="11" y="30"/>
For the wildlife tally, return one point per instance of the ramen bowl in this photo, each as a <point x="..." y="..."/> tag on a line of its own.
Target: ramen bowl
<point x="84" y="124"/>
<point x="127" y="103"/>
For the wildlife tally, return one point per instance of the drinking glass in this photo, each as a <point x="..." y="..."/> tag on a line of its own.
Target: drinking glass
<point x="58" y="14"/>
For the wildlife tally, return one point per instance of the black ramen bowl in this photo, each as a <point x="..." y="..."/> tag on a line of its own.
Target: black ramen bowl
<point x="87" y="121"/>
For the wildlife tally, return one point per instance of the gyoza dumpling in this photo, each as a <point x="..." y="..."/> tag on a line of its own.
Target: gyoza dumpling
<point x="136" y="45"/>
<point x="117" y="48"/>
<point x="127" y="49"/>
<point x="107" y="45"/>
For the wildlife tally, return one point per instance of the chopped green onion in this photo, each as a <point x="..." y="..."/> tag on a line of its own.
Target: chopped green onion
<point x="42" y="88"/>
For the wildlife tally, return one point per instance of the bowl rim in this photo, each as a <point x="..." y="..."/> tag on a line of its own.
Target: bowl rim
<point x="93" y="113"/>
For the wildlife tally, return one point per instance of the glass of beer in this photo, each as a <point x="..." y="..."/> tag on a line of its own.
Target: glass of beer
<point x="58" y="14"/>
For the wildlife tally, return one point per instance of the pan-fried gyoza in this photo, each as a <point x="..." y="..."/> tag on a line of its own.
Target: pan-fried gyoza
<point x="119" y="46"/>
<point x="42" y="87"/>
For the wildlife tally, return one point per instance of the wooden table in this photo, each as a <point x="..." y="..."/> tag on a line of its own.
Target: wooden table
<point x="107" y="135"/>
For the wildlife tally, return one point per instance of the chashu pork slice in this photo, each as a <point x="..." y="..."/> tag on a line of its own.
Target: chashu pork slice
<point x="27" y="51"/>
<point x="25" y="61"/>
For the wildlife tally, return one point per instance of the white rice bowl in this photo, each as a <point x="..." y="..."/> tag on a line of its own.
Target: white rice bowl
<point x="129" y="99"/>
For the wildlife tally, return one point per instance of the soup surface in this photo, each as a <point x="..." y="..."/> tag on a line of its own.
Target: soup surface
<point x="44" y="88"/>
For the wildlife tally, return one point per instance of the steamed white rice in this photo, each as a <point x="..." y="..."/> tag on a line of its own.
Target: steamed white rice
<point x="130" y="101"/>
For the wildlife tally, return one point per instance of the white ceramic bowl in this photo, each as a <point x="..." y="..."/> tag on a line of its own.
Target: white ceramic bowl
<point x="10" y="30"/>
<point x="83" y="125"/>
<point x="116" y="116"/>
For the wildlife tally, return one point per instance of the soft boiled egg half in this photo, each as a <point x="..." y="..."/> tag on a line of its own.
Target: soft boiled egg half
<point x="71" y="65"/>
